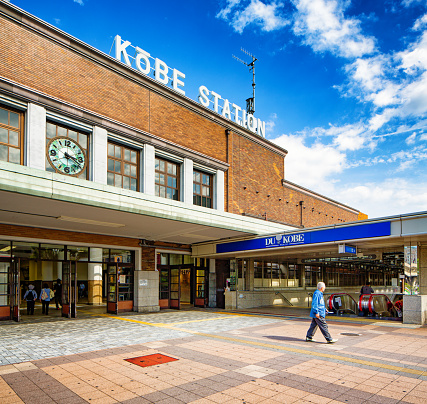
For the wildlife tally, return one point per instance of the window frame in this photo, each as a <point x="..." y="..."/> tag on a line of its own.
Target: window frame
<point x="202" y="185"/>
<point x="158" y="184"/>
<point x="122" y="161"/>
<point x="20" y="131"/>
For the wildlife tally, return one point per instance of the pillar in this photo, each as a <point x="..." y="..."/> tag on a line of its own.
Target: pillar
<point x="187" y="186"/>
<point x="94" y="277"/>
<point x="100" y="155"/>
<point x="249" y="281"/>
<point x="415" y="306"/>
<point x="219" y="191"/>
<point x="148" y="174"/>
<point x="36" y="137"/>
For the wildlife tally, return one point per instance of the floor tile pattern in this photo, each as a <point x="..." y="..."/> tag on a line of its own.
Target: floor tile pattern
<point x="219" y="359"/>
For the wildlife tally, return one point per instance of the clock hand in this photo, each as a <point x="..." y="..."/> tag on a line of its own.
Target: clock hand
<point x="67" y="156"/>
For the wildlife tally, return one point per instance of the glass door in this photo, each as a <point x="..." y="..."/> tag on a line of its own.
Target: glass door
<point x="164" y="291"/>
<point x="14" y="271"/>
<point x="120" y="287"/>
<point x="175" y="288"/>
<point x="69" y="289"/>
<point x="112" y="289"/>
<point x="200" y="297"/>
<point x="4" y="289"/>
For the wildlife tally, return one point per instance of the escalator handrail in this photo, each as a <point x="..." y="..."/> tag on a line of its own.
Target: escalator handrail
<point x="371" y="297"/>
<point x="330" y="299"/>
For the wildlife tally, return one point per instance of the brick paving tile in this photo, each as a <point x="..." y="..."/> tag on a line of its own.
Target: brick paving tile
<point x="382" y="399"/>
<point x="211" y="370"/>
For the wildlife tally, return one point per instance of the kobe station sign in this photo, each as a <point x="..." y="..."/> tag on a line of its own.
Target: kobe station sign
<point x="142" y="63"/>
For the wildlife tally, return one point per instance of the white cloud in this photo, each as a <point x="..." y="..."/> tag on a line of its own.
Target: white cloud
<point x="392" y="196"/>
<point x="309" y="166"/>
<point x="267" y="16"/>
<point x="420" y="23"/>
<point x="411" y="139"/>
<point x="325" y="28"/>
<point x="79" y="2"/>
<point x="57" y="21"/>
<point x="227" y="10"/>
<point x="408" y="3"/>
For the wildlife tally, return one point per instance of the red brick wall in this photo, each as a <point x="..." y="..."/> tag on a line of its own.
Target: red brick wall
<point x="61" y="235"/>
<point x="315" y="212"/>
<point x="256" y="175"/>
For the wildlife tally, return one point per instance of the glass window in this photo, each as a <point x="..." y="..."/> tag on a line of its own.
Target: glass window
<point x="54" y="130"/>
<point x="123" y="167"/>
<point x="11" y="136"/>
<point x="167" y="179"/>
<point x="202" y="189"/>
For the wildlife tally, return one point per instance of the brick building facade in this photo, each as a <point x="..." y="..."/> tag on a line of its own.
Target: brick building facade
<point x="223" y="180"/>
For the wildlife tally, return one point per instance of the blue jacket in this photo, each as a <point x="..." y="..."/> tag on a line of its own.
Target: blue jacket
<point x="318" y="304"/>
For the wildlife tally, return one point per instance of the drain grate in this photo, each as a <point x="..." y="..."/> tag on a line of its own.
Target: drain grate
<point x="350" y="334"/>
<point x="151" y="360"/>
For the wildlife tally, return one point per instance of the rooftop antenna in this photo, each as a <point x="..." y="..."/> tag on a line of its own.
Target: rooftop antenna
<point x="250" y="102"/>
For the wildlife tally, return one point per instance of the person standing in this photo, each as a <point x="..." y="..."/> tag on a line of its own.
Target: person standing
<point x="45" y="298"/>
<point x="366" y="290"/>
<point x="30" y="297"/>
<point x="318" y="313"/>
<point x="58" y="293"/>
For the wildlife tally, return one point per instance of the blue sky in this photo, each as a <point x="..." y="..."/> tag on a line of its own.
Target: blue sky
<point x="341" y="84"/>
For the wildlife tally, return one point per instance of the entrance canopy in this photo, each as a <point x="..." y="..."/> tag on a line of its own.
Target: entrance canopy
<point x="37" y="198"/>
<point x="368" y="237"/>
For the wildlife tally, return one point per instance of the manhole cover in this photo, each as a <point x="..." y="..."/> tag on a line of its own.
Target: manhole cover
<point x="350" y="334"/>
<point x="150" y="360"/>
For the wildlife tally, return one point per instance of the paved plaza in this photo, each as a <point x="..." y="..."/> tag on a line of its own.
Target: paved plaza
<point x="210" y="356"/>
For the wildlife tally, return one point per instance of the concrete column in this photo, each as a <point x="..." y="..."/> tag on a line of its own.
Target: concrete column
<point x="219" y="191"/>
<point x="99" y="155"/>
<point x="148" y="170"/>
<point x="94" y="276"/>
<point x="146" y="298"/>
<point x="36" y="137"/>
<point x="187" y="186"/>
<point x="250" y="275"/>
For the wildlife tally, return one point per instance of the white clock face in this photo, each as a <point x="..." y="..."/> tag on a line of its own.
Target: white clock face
<point x="66" y="156"/>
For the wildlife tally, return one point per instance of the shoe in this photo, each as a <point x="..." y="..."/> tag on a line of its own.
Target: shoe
<point x="332" y="341"/>
<point x="310" y="339"/>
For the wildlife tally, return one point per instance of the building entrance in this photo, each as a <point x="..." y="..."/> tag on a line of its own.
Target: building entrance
<point x="86" y="277"/>
<point x="182" y="285"/>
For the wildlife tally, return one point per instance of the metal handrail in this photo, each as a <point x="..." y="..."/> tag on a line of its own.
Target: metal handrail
<point x="284" y="298"/>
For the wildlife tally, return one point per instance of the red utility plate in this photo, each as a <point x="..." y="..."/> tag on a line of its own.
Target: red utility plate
<point x="151" y="360"/>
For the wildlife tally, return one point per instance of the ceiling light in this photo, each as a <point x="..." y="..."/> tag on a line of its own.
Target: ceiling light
<point x="89" y="221"/>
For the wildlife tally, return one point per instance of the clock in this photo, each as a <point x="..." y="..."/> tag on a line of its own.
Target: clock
<point x="66" y="156"/>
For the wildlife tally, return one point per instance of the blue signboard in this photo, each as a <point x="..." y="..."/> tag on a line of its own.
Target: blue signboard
<point x="310" y="237"/>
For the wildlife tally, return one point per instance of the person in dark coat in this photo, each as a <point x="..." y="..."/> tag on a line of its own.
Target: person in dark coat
<point x="366" y="290"/>
<point x="58" y="293"/>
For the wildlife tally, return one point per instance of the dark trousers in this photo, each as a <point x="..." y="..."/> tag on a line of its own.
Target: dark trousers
<point x="58" y="301"/>
<point x="30" y="306"/>
<point x="321" y="323"/>
<point x="45" y="307"/>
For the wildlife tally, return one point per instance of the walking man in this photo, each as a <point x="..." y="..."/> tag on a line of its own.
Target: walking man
<point x="318" y="313"/>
